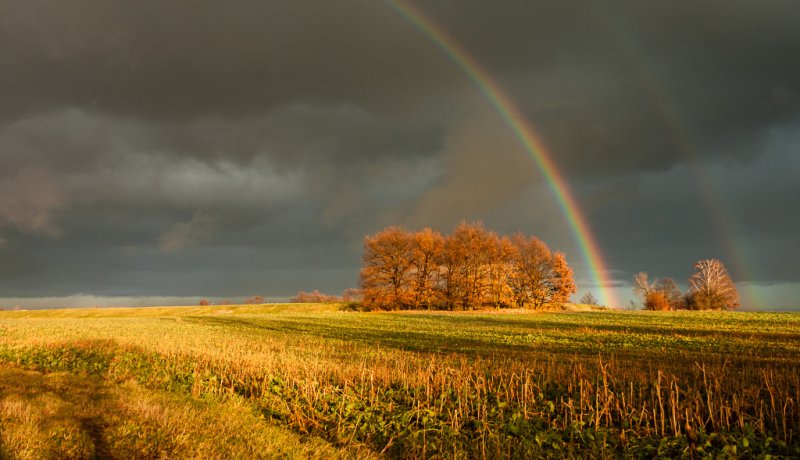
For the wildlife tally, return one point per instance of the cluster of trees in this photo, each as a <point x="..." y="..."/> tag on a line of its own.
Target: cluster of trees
<point x="252" y="300"/>
<point x="349" y="295"/>
<point x="472" y="267"/>
<point x="710" y="288"/>
<point x="313" y="297"/>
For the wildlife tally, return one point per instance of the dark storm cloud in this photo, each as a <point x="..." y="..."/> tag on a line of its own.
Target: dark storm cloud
<point x="739" y="215"/>
<point x="645" y="76"/>
<point x="164" y="146"/>
<point x="153" y="58"/>
<point x="646" y="85"/>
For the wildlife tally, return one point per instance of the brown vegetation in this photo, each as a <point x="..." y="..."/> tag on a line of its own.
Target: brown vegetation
<point x="660" y="295"/>
<point x="254" y="300"/>
<point x="472" y="267"/>
<point x="710" y="288"/>
<point x="313" y="297"/>
<point x="351" y="295"/>
<point x="589" y="299"/>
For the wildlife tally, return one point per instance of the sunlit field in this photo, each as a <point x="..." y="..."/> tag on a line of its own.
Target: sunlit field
<point x="315" y="381"/>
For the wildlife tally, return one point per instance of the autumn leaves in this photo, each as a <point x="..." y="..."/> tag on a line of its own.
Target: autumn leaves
<point x="472" y="267"/>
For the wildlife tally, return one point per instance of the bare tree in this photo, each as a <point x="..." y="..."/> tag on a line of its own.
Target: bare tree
<point x="711" y="287"/>
<point x="589" y="299"/>
<point x="641" y="284"/>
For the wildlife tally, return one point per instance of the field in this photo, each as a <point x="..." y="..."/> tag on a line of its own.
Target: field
<point x="314" y="381"/>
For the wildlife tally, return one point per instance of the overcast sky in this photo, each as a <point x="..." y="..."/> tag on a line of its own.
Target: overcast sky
<point x="158" y="150"/>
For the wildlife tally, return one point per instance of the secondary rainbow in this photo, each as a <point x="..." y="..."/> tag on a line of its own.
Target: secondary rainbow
<point x="722" y="219"/>
<point x="526" y="135"/>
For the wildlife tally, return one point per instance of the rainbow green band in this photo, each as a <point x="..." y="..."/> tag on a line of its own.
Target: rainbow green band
<point x="527" y="136"/>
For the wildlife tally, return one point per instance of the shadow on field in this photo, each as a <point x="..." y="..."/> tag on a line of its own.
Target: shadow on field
<point x="502" y="334"/>
<point x="410" y="340"/>
<point x="48" y="405"/>
<point x="700" y="326"/>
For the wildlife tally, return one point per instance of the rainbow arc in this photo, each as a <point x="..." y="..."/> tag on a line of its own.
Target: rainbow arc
<point x="527" y="136"/>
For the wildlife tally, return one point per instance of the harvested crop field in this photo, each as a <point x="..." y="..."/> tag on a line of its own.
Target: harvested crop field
<point x="311" y="380"/>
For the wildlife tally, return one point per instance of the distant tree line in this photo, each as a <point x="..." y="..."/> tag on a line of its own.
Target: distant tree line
<point x="349" y="295"/>
<point x="710" y="288"/>
<point x="252" y="300"/>
<point x="471" y="267"/>
<point x="313" y="297"/>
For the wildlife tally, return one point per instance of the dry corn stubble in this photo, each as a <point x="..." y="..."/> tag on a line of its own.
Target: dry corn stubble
<point x="574" y="384"/>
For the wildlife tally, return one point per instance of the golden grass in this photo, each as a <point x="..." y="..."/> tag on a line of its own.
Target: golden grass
<point x="173" y="311"/>
<point x="417" y="384"/>
<point x="61" y="416"/>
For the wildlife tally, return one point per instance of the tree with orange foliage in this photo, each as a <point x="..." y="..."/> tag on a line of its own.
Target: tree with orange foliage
<point x="562" y="283"/>
<point x="386" y="274"/>
<point x="467" y="253"/>
<point x="539" y="276"/>
<point x="469" y="268"/>
<point x="499" y="272"/>
<point x="660" y="295"/>
<point x="673" y="296"/>
<point x="427" y="247"/>
<point x="657" y="301"/>
<point x="531" y="271"/>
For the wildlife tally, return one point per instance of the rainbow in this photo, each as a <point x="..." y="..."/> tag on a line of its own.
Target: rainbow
<point x="721" y="218"/>
<point x="526" y="135"/>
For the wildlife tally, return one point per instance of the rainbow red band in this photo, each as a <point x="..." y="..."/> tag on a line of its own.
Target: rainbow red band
<point x="527" y="137"/>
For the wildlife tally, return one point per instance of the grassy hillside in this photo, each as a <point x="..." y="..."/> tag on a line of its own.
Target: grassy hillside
<point x="311" y="380"/>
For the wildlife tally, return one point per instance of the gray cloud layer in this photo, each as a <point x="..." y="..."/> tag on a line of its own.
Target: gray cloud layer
<point x="240" y="147"/>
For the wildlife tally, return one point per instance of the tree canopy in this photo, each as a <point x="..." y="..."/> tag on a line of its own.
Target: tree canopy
<point x="472" y="267"/>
